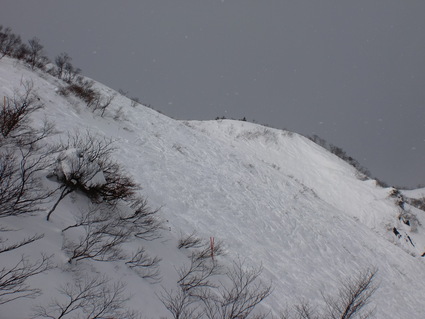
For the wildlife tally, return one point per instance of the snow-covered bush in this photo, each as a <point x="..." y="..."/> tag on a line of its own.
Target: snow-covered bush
<point x="84" y="163"/>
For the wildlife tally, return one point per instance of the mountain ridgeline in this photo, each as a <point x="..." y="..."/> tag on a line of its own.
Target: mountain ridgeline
<point x="109" y="209"/>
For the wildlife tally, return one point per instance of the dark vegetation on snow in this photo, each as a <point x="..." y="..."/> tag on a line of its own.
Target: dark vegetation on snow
<point x="83" y="164"/>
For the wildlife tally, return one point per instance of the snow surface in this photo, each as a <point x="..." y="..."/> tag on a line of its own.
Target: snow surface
<point x="272" y="197"/>
<point x="415" y="193"/>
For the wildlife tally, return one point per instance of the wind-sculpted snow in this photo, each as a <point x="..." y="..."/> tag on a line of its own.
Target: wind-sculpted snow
<point x="272" y="197"/>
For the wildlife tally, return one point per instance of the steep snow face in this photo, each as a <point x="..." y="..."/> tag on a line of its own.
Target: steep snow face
<point x="273" y="198"/>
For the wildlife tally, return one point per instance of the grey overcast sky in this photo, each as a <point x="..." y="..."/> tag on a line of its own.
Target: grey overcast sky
<point x="352" y="72"/>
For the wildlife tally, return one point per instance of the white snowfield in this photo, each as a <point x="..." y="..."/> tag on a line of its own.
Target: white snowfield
<point x="273" y="198"/>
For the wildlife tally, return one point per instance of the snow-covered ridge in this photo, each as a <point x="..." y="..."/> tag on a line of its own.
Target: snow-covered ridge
<point x="272" y="197"/>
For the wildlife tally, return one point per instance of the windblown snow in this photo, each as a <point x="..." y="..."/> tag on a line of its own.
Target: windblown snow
<point x="273" y="198"/>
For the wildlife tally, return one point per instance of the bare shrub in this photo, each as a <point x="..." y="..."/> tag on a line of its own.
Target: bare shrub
<point x="135" y="101"/>
<point x="94" y="215"/>
<point x="70" y="74"/>
<point x="362" y="172"/>
<point x="143" y="220"/>
<point x="190" y="241"/>
<point x="5" y="248"/>
<point x="14" y="279"/>
<point x="305" y="311"/>
<point x="21" y="191"/>
<point x="119" y="114"/>
<point x="22" y="52"/>
<point x="144" y="265"/>
<point x="88" y="298"/>
<point x="352" y="301"/>
<point x="350" y="160"/>
<point x="102" y="104"/>
<point x="14" y="116"/>
<point x="118" y="186"/>
<point x="354" y="296"/>
<point x="209" y="251"/>
<point x="240" y="299"/>
<point x="100" y="242"/>
<point x="197" y="275"/>
<point x="200" y="297"/>
<point x="193" y="279"/>
<point x="21" y="156"/>
<point x="180" y="304"/>
<point x="84" y="90"/>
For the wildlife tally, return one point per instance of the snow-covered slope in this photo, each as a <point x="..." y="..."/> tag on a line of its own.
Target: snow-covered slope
<point x="272" y="197"/>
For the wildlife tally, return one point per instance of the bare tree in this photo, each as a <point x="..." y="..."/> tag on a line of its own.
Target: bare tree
<point x="35" y="55"/>
<point x="70" y="74"/>
<point x="89" y="298"/>
<point x="62" y="61"/>
<point x="8" y="42"/>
